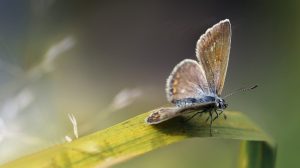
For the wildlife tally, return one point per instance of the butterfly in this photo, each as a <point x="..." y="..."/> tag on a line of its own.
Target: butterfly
<point x="197" y="86"/>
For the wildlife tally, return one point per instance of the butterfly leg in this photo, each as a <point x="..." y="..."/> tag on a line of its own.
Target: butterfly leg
<point x="199" y="112"/>
<point x="225" y="116"/>
<point x="217" y="115"/>
<point x="207" y="119"/>
<point x="211" y="121"/>
<point x="222" y="112"/>
<point x="211" y="115"/>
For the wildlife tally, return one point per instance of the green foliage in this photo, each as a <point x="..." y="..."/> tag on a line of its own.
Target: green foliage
<point x="133" y="137"/>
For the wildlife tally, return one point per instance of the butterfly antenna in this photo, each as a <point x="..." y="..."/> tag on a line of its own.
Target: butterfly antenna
<point x="241" y="90"/>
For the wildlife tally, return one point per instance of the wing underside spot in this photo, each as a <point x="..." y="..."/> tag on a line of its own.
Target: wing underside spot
<point x="162" y="114"/>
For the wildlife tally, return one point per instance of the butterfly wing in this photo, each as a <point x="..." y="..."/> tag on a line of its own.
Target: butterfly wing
<point x="165" y="113"/>
<point x="162" y="114"/>
<point x="187" y="80"/>
<point x="212" y="51"/>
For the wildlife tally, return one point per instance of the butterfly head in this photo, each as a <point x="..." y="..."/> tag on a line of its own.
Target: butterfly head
<point x="221" y="104"/>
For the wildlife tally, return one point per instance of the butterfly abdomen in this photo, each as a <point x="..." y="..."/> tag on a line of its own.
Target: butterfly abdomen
<point x="191" y="101"/>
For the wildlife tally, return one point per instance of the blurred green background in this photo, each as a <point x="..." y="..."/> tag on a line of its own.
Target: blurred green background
<point x="106" y="61"/>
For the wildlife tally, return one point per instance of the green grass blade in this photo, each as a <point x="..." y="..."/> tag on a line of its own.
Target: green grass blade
<point x="257" y="154"/>
<point x="133" y="137"/>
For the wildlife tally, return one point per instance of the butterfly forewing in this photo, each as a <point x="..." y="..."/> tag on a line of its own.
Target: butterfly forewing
<point x="212" y="51"/>
<point x="187" y="80"/>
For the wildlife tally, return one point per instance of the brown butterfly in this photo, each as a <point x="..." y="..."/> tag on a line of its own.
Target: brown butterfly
<point x="197" y="86"/>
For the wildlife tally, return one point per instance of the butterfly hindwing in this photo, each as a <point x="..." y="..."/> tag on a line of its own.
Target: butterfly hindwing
<point x="165" y="113"/>
<point x="187" y="80"/>
<point x="162" y="114"/>
<point x="212" y="51"/>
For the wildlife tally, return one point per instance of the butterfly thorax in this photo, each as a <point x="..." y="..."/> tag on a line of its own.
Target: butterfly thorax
<point x="217" y="102"/>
